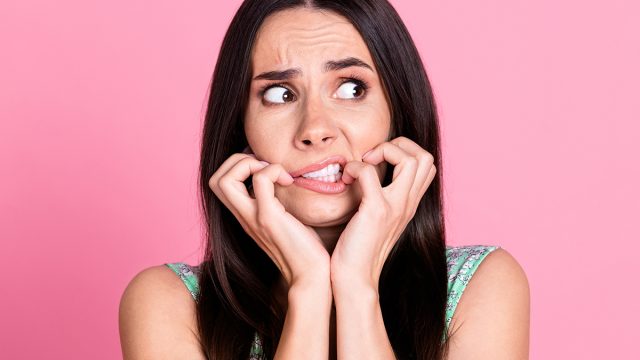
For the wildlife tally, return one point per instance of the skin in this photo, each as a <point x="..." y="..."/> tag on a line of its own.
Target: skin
<point x="320" y="113"/>
<point x="316" y="114"/>
<point x="292" y="133"/>
<point x="356" y="228"/>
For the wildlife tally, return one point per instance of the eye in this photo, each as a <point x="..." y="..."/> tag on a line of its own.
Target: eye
<point x="352" y="89"/>
<point x="277" y="94"/>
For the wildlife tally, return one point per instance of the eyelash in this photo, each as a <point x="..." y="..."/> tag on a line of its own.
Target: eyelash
<point x="351" y="78"/>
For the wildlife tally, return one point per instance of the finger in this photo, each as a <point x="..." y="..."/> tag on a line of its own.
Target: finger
<point x="425" y="163"/>
<point x="430" y="177"/>
<point x="221" y="171"/>
<point x="367" y="178"/>
<point x="225" y="167"/>
<point x="243" y="209"/>
<point x="425" y="158"/>
<point x="234" y="189"/>
<point x="266" y="202"/>
<point x="408" y="145"/>
<point x="264" y="188"/>
<point x="405" y="165"/>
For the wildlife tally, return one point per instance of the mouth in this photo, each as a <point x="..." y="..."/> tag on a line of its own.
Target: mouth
<point x="331" y="166"/>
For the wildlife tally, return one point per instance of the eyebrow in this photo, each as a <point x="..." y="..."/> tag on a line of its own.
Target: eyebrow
<point x="331" y="65"/>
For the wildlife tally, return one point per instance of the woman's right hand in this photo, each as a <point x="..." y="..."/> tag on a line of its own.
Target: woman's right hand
<point x="294" y="247"/>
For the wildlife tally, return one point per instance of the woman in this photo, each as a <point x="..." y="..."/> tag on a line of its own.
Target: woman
<point x="345" y="262"/>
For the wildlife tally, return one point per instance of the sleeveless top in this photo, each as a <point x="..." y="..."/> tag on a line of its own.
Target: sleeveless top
<point x="462" y="262"/>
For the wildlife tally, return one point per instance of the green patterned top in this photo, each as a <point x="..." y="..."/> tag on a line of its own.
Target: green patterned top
<point x="462" y="262"/>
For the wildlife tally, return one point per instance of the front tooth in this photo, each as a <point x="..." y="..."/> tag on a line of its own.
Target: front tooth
<point x="330" y="169"/>
<point x="317" y="173"/>
<point x="313" y="173"/>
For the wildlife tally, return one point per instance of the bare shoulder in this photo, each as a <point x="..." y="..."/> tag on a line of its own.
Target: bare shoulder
<point x="157" y="317"/>
<point x="491" y="320"/>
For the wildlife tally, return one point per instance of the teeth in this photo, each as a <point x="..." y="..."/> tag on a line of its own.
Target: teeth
<point x="328" y="178"/>
<point x="329" y="170"/>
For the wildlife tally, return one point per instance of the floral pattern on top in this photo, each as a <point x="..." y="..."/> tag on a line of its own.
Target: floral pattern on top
<point x="189" y="275"/>
<point x="462" y="262"/>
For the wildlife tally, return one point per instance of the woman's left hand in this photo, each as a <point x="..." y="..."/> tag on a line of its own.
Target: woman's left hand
<point x="383" y="214"/>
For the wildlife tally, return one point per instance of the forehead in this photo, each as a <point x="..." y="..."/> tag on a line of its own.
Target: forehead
<point x="302" y="36"/>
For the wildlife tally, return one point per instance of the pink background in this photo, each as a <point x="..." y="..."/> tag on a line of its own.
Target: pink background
<point x="101" y="107"/>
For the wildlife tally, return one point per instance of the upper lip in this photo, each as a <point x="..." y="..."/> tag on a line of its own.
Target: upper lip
<point x="339" y="159"/>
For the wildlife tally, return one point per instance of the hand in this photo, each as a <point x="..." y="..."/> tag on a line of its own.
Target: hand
<point x="383" y="214"/>
<point x="295" y="248"/>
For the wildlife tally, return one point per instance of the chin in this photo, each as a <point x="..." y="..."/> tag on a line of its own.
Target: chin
<point x="324" y="220"/>
<point x="320" y="211"/>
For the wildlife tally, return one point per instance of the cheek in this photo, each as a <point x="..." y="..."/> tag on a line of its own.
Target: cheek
<point x="378" y="127"/>
<point x="266" y="134"/>
<point x="263" y="140"/>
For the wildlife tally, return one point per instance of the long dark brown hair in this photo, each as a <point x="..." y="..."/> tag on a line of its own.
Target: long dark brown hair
<point x="235" y="299"/>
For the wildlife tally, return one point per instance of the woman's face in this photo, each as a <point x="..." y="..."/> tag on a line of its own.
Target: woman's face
<point x="318" y="110"/>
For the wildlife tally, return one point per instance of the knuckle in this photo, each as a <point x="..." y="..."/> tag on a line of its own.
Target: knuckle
<point x="213" y="182"/>
<point x="245" y="160"/>
<point x="410" y="213"/>
<point x="241" y="156"/>
<point x="399" y="139"/>
<point x="422" y="157"/>
<point x="233" y="159"/>
<point x="223" y="184"/>
<point x="426" y="157"/>
<point x="259" y="177"/>
<point x="412" y="162"/>
<point x="235" y="156"/>
<point x="369" y="168"/>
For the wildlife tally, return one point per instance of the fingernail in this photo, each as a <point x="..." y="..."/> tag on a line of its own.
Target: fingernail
<point x="264" y="163"/>
<point x="367" y="153"/>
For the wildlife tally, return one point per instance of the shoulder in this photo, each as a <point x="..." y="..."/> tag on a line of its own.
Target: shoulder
<point x="462" y="261"/>
<point x="157" y="317"/>
<point x="492" y="317"/>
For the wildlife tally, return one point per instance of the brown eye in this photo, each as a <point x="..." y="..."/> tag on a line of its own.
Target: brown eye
<point x="351" y="90"/>
<point x="278" y="95"/>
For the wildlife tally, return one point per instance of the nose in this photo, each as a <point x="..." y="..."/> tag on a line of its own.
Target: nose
<point x="317" y="129"/>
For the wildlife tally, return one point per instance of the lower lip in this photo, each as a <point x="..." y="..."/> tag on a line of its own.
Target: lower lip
<point x="321" y="186"/>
